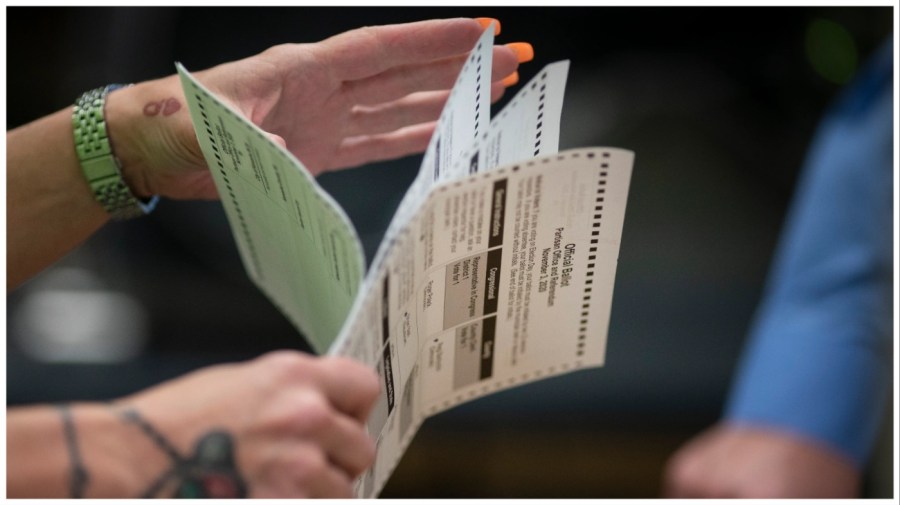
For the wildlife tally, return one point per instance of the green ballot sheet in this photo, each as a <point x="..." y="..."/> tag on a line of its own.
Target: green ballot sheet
<point x="296" y="242"/>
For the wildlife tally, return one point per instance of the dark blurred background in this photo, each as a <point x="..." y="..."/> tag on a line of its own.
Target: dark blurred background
<point x="719" y="105"/>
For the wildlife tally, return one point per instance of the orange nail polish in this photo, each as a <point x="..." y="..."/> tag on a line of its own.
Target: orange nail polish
<point x="524" y="51"/>
<point x="510" y="79"/>
<point x="485" y="22"/>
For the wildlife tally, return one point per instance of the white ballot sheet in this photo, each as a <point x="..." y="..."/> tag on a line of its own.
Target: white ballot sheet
<point x="502" y="278"/>
<point x="465" y="117"/>
<point x="497" y="269"/>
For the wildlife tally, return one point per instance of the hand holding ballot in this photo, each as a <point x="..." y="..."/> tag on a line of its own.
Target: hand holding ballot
<point x="365" y="95"/>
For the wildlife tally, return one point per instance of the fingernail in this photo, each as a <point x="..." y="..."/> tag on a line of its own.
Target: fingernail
<point x="510" y="79"/>
<point x="524" y="51"/>
<point x="485" y="22"/>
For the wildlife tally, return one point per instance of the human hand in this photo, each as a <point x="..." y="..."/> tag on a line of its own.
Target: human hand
<point x="365" y="95"/>
<point x="296" y="423"/>
<point x="730" y="461"/>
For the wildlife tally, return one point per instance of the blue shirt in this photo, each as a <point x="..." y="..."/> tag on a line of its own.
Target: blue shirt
<point x="819" y="357"/>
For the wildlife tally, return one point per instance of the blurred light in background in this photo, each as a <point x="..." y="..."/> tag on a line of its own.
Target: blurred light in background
<point x="831" y="50"/>
<point x="70" y="318"/>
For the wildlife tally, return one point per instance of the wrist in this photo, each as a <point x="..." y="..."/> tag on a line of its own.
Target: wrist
<point x="128" y="136"/>
<point x="119" y="463"/>
<point x="151" y="133"/>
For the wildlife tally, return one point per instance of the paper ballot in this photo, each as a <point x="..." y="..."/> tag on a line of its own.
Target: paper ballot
<point x="497" y="268"/>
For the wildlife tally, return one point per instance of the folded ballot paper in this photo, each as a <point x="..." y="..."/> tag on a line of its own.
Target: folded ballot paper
<point x="496" y="270"/>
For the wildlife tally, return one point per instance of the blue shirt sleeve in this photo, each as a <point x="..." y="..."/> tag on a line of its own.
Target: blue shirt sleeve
<point x="819" y="357"/>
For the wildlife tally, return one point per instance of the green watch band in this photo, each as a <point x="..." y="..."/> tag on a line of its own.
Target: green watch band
<point x="100" y="166"/>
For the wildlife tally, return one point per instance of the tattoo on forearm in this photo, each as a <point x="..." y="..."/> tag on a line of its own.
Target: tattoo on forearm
<point x="168" y="107"/>
<point x="211" y="472"/>
<point x="78" y="479"/>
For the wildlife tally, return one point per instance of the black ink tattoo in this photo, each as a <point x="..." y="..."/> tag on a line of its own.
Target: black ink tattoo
<point x="79" y="476"/>
<point x="211" y="472"/>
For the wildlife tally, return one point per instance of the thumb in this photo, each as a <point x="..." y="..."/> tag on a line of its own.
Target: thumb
<point x="277" y="139"/>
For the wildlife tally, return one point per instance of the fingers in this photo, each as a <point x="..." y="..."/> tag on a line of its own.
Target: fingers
<point x="412" y="109"/>
<point x="523" y="50"/>
<point x="300" y="470"/>
<point x="414" y="106"/>
<point x="342" y="438"/>
<point x="401" y="81"/>
<point x="350" y="386"/>
<point x="437" y="75"/>
<point x="497" y="90"/>
<point x="508" y="57"/>
<point x="349" y="446"/>
<point x="331" y="483"/>
<point x="395" y="129"/>
<point x="277" y="139"/>
<point x="510" y="80"/>
<point x="347" y="385"/>
<point x="356" y="151"/>
<point x="365" y="52"/>
<point x="309" y="438"/>
<point x="393" y="81"/>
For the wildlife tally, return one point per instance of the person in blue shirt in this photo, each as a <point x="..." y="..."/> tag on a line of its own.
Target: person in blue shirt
<point x="805" y="408"/>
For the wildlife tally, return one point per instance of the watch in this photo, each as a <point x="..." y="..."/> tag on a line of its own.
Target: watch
<point x="100" y="166"/>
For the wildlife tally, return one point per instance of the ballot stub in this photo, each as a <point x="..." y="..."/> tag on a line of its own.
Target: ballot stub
<point x="496" y="270"/>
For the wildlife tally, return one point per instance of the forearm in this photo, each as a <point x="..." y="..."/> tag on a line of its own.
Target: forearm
<point x="40" y="459"/>
<point x="283" y="425"/>
<point x="50" y="207"/>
